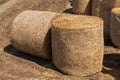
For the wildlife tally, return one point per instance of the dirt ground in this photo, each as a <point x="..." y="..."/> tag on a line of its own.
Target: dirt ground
<point x="15" y="65"/>
<point x="6" y="5"/>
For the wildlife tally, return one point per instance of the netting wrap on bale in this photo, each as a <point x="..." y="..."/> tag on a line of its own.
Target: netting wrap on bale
<point x="31" y="33"/>
<point x="115" y="26"/>
<point x="77" y="44"/>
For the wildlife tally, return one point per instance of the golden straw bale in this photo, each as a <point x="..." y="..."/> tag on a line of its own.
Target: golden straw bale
<point x="77" y="44"/>
<point x="31" y="33"/>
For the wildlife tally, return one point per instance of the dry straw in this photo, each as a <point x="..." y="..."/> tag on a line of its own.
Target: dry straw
<point x="77" y="44"/>
<point x="115" y="26"/>
<point x="31" y="33"/>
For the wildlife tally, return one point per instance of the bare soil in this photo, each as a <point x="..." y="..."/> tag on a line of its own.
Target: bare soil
<point x="15" y="65"/>
<point x="7" y="4"/>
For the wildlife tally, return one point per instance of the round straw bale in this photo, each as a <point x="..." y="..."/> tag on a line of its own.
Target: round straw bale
<point x="102" y="8"/>
<point x="31" y="33"/>
<point x="115" y="26"/>
<point x="77" y="44"/>
<point x="82" y="7"/>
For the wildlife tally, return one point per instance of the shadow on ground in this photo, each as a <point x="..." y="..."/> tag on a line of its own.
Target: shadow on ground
<point x="112" y="65"/>
<point x="69" y="11"/>
<point x="43" y="62"/>
<point x="111" y="61"/>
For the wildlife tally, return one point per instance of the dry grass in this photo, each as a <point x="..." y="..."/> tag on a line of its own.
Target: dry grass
<point x="3" y="1"/>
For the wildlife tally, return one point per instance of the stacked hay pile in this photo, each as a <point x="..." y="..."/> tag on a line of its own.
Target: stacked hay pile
<point x="101" y="8"/>
<point x="77" y="40"/>
<point x="72" y="42"/>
